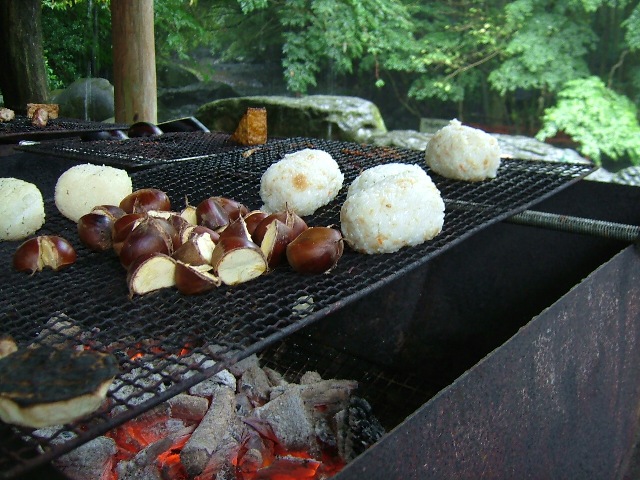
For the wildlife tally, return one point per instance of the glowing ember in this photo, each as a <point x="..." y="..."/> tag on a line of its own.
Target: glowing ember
<point x="251" y="426"/>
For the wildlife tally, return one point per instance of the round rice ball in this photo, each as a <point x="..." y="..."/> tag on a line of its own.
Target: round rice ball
<point x="85" y="186"/>
<point x="389" y="207"/>
<point x="21" y="209"/>
<point x="302" y="181"/>
<point x="463" y="153"/>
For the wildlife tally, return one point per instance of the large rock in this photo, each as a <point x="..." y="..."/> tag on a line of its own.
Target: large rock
<point x="184" y="101"/>
<point x="317" y="116"/>
<point x="87" y="99"/>
<point x="512" y="146"/>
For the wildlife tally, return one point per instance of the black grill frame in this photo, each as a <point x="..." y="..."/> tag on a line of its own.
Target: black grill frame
<point x="244" y="319"/>
<point x="21" y="128"/>
<point x="142" y="152"/>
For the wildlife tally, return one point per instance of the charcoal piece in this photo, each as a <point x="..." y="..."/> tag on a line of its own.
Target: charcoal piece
<point x="357" y="429"/>
<point x="327" y="397"/>
<point x="208" y="435"/>
<point x="188" y="407"/>
<point x="255" y="384"/>
<point x="291" y="421"/>
<point x="222" y="462"/>
<point x="94" y="459"/>
<point x="310" y="377"/>
<point x="243" y="405"/>
<point x="275" y="378"/>
<point x="241" y="366"/>
<point x="208" y="386"/>
<point x="143" y="466"/>
<point x="60" y="330"/>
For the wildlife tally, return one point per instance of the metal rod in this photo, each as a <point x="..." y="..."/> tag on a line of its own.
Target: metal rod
<point x="588" y="226"/>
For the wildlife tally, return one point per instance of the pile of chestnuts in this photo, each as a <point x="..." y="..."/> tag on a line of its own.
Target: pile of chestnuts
<point x="219" y="241"/>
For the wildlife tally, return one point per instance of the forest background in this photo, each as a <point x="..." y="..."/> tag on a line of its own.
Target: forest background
<point x="536" y="67"/>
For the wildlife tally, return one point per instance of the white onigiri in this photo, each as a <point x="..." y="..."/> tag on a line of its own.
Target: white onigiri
<point x="85" y="186"/>
<point x="389" y="207"/>
<point x="302" y="181"/>
<point x="21" y="209"/>
<point x="463" y="153"/>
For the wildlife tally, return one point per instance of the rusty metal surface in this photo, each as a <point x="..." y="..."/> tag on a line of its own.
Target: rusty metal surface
<point x="558" y="400"/>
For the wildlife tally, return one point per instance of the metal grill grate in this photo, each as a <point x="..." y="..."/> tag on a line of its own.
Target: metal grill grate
<point x="142" y="151"/>
<point x="21" y="128"/>
<point x="242" y="320"/>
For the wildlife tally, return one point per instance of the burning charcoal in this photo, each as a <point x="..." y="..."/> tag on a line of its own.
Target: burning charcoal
<point x="309" y="378"/>
<point x="221" y="464"/>
<point x="289" y="467"/>
<point x="357" y="429"/>
<point x="208" y="435"/>
<point x="275" y="378"/>
<point x="127" y="387"/>
<point x="60" y="330"/>
<point x="243" y="405"/>
<point x="144" y="465"/>
<point x="327" y="397"/>
<point x="290" y="421"/>
<point x="250" y="461"/>
<point x="241" y="366"/>
<point x="188" y="407"/>
<point x="208" y="386"/>
<point x="94" y="459"/>
<point x="255" y="383"/>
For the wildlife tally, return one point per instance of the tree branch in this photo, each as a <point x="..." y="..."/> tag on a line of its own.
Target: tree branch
<point x="472" y="65"/>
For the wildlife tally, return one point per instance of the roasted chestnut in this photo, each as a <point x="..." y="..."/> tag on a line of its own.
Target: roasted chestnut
<point x="144" y="129"/>
<point x="45" y="251"/>
<point x="144" y="200"/>
<point x="316" y="250"/>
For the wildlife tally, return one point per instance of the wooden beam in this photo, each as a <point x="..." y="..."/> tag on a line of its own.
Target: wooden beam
<point x="134" y="61"/>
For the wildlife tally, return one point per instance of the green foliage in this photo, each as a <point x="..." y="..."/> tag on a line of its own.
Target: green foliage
<point x="600" y="120"/>
<point x="548" y="47"/>
<point x="632" y="29"/>
<point x="77" y="40"/>
<point x="455" y="45"/>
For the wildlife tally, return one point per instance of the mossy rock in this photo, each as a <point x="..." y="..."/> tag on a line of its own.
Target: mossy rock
<point x="316" y="116"/>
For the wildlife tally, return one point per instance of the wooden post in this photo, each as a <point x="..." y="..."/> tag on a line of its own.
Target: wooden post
<point x="134" y="61"/>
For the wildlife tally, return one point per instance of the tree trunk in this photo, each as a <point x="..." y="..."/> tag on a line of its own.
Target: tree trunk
<point x="134" y="61"/>
<point x="23" y="78"/>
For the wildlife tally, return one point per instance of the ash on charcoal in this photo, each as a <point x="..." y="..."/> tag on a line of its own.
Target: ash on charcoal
<point x="136" y="386"/>
<point x="255" y="384"/>
<point x="62" y="330"/>
<point x="208" y="386"/>
<point x="187" y="407"/>
<point x="208" y="436"/>
<point x="241" y="366"/>
<point x="291" y="421"/>
<point x="94" y="459"/>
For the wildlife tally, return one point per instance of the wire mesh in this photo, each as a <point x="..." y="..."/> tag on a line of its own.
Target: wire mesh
<point x="87" y="304"/>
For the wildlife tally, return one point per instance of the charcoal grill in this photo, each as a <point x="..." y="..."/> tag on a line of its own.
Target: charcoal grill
<point x="245" y="319"/>
<point x="21" y="129"/>
<point x="142" y="152"/>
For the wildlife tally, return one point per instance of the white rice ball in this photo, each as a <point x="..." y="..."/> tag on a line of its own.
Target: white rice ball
<point x="302" y="181"/>
<point x="85" y="186"/>
<point x="463" y="153"/>
<point x="389" y="207"/>
<point x="21" y="209"/>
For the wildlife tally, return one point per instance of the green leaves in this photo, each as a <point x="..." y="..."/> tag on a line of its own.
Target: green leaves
<point x="547" y="51"/>
<point x="602" y="121"/>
